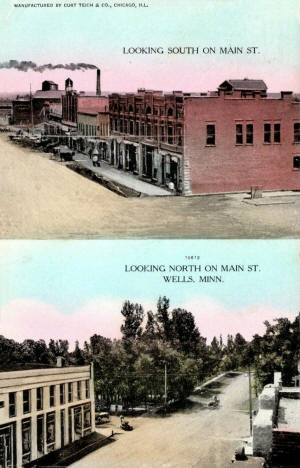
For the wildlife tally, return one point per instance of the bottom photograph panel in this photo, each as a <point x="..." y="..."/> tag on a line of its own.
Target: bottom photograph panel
<point x="121" y="354"/>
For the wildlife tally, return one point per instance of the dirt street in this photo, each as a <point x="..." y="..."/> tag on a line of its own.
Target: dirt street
<point x="193" y="437"/>
<point x="40" y="198"/>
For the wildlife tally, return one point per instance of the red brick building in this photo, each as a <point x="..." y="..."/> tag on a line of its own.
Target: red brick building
<point x="232" y="139"/>
<point x="147" y="135"/>
<point x="239" y="137"/>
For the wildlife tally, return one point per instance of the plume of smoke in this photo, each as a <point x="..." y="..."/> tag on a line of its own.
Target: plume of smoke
<point x="24" y="66"/>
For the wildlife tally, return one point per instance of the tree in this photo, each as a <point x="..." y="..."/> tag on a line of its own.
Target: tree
<point x="133" y="317"/>
<point x="163" y="318"/>
<point x="185" y="334"/>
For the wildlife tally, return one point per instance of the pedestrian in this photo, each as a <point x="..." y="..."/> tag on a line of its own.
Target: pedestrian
<point x="95" y="160"/>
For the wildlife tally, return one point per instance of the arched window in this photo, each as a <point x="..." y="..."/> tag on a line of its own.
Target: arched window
<point x="148" y="110"/>
<point x="170" y="112"/>
<point x="130" y="109"/>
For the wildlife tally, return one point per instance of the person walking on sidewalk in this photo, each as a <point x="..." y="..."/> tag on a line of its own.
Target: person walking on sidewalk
<point x="95" y="158"/>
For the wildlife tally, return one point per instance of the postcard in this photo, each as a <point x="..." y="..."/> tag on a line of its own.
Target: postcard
<point x="149" y="353"/>
<point x="165" y="119"/>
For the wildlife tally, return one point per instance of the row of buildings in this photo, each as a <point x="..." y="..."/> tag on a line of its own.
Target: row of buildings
<point x="232" y="139"/>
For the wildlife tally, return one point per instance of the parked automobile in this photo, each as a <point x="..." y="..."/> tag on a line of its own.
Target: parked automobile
<point x="126" y="426"/>
<point x="65" y="152"/>
<point x="101" y="418"/>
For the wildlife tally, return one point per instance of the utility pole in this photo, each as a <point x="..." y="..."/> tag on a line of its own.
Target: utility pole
<point x="165" y="387"/>
<point x="31" y="110"/>
<point x="250" y="399"/>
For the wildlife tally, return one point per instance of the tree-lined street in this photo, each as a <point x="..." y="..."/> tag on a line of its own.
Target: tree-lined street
<point x="193" y="437"/>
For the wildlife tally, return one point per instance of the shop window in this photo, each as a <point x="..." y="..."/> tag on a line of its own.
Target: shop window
<point x="12" y="404"/>
<point x="70" y="392"/>
<point x="296" y="132"/>
<point x="277" y="133"/>
<point x="267" y="133"/>
<point x="249" y="134"/>
<point x="50" y="431"/>
<point x="52" y="395"/>
<point x="87" y="419"/>
<point x="62" y="398"/>
<point x="26" y="440"/>
<point x="296" y="162"/>
<point x="239" y="134"/>
<point x="210" y="135"/>
<point x="78" y="421"/>
<point x="40" y="434"/>
<point x="39" y="398"/>
<point x="26" y="401"/>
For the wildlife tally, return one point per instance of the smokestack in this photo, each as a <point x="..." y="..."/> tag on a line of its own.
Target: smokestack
<point x="98" y="85"/>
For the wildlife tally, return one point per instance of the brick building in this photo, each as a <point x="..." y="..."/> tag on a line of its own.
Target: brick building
<point x="147" y="134"/>
<point x="42" y="410"/>
<point x="239" y="137"/>
<point x="93" y="131"/>
<point x="232" y="139"/>
<point x="32" y="110"/>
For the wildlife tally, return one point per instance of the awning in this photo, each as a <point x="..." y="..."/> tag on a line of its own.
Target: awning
<point x="127" y="142"/>
<point x="169" y="153"/>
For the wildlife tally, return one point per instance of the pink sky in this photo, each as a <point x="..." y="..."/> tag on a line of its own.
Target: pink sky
<point x="22" y="318"/>
<point x="190" y="78"/>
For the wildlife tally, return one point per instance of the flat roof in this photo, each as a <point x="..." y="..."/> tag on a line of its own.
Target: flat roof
<point x="289" y="413"/>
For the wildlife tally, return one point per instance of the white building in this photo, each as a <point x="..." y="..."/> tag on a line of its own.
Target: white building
<point x="42" y="410"/>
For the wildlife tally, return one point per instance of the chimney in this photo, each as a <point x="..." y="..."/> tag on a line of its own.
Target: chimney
<point x="59" y="361"/>
<point x="98" y="86"/>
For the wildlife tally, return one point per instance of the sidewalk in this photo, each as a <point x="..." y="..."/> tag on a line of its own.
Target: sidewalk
<point x="121" y="177"/>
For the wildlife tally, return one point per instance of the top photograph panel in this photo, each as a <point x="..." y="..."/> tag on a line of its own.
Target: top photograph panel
<point x="155" y="119"/>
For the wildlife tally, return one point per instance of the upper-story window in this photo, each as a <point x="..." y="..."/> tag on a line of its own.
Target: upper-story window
<point x="39" y="398"/>
<point x="239" y="134"/>
<point x="170" y="112"/>
<point x="268" y="133"/>
<point x="87" y="389"/>
<point x="130" y="108"/>
<point x="62" y="397"/>
<point x="26" y="401"/>
<point x="277" y="133"/>
<point x="297" y="132"/>
<point x="70" y="392"/>
<point x="249" y="134"/>
<point x="52" y="395"/>
<point x="210" y="134"/>
<point x="79" y="390"/>
<point x="12" y="404"/>
<point x="148" y="110"/>
<point x="296" y="162"/>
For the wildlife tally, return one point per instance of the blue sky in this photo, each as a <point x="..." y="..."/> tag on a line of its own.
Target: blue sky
<point x="69" y="273"/>
<point x="97" y="35"/>
<point x="72" y="289"/>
